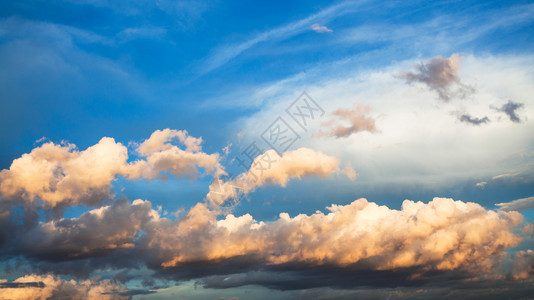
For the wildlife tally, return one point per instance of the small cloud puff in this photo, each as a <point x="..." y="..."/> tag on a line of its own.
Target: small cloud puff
<point x="320" y="28"/>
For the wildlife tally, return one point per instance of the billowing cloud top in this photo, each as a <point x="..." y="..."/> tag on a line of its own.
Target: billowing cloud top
<point x="271" y="168"/>
<point x="59" y="174"/>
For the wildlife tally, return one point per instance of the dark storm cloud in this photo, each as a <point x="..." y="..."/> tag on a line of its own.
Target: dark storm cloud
<point x="473" y="120"/>
<point x="510" y="109"/>
<point x="6" y="285"/>
<point x="350" y="283"/>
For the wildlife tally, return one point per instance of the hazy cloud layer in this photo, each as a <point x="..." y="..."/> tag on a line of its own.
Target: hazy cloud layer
<point x="440" y="75"/>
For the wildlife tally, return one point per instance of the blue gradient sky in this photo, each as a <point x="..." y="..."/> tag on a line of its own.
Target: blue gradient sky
<point x="78" y="71"/>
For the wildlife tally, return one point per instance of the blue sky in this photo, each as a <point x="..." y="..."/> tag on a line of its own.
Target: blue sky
<point x="421" y="100"/>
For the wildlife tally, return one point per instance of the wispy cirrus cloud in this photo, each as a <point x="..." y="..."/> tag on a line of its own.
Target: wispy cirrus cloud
<point x="225" y="53"/>
<point x="517" y="205"/>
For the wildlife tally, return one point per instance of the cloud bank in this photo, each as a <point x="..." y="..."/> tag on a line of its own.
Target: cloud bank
<point x="437" y="239"/>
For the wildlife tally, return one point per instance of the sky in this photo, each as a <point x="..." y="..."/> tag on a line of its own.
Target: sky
<point x="258" y="150"/>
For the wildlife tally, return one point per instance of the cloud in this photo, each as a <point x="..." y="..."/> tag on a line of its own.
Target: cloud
<point x="505" y="175"/>
<point x="472" y="120"/>
<point x="95" y="233"/>
<point x="270" y="168"/>
<point x="440" y="75"/>
<point x="50" y="286"/>
<point x="320" y="28"/>
<point x="161" y="155"/>
<point x="510" y="109"/>
<point x="355" y="118"/>
<point x="225" y="53"/>
<point x="481" y="184"/>
<point x="130" y="34"/>
<point x="517" y="205"/>
<point x="60" y="175"/>
<point x="400" y="155"/>
<point x="440" y="235"/>
<point x="523" y="265"/>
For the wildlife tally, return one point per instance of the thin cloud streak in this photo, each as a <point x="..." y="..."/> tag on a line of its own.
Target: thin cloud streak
<point x="224" y="54"/>
<point x="517" y="205"/>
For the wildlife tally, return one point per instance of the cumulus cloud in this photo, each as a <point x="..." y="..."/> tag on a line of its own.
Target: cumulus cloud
<point x="517" y="205"/>
<point x="271" y="168"/>
<point x="440" y="235"/>
<point x="61" y="175"/>
<point x="523" y="265"/>
<point x="510" y="109"/>
<point x="320" y="28"/>
<point x="352" y="121"/>
<point x="473" y="120"/>
<point x="49" y="286"/>
<point x="440" y="75"/>
<point x="362" y="238"/>
<point x="161" y="155"/>
<point x="95" y="233"/>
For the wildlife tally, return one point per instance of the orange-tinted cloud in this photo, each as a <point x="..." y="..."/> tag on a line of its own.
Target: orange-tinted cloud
<point x="48" y="286"/>
<point x="442" y="234"/>
<point x="270" y="168"/>
<point x="61" y="175"/>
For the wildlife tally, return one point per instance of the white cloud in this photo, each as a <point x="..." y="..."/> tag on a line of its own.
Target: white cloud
<point x="320" y="28"/>
<point x="481" y="184"/>
<point x="517" y="205"/>
<point x="505" y="175"/>
<point x="419" y="140"/>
